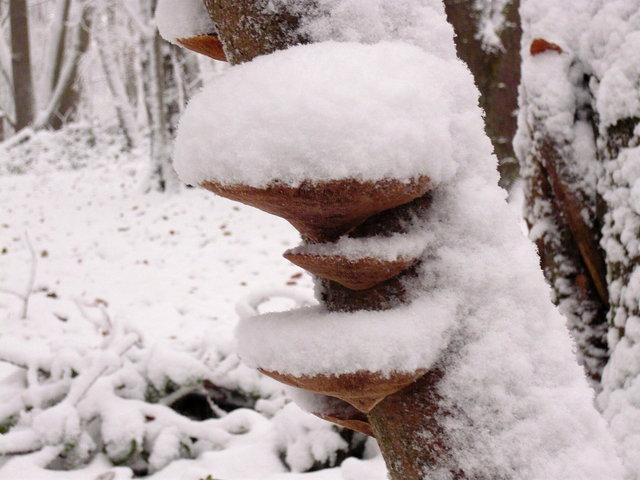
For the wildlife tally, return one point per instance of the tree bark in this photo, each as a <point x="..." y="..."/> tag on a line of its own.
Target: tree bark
<point x="21" y="63"/>
<point x="265" y="32"/>
<point x="497" y="74"/>
<point x="565" y="219"/>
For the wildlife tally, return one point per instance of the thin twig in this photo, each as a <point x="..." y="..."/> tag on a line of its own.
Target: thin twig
<point x="32" y="276"/>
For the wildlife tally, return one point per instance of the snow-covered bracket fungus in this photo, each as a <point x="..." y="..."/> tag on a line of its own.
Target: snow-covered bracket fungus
<point x="435" y="331"/>
<point x="187" y="24"/>
<point x="332" y="145"/>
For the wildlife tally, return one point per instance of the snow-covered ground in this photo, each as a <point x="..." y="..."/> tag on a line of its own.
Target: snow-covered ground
<point x="163" y="272"/>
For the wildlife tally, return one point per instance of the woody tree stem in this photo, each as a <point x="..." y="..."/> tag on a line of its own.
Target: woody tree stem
<point x="406" y="424"/>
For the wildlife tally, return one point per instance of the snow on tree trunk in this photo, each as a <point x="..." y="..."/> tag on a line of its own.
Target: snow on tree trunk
<point x="558" y="163"/>
<point x="370" y="142"/>
<point x="579" y="147"/>
<point x="21" y="63"/>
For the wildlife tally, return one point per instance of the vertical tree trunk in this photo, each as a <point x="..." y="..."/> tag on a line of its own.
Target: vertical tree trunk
<point x="122" y="102"/>
<point x="562" y="206"/>
<point x="67" y="78"/>
<point x="405" y="423"/>
<point x="496" y="69"/>
<point x="54" y="57"/>
<point x="163" y="177"/>
<point x="21" y="63"/>
<point x="64" y="98"/>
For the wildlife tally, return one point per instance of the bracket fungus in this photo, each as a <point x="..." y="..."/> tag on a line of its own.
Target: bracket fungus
<point x="324" y="211"/>
<point x="363" y="390"/>
<point x="355" y="274"/>
<point x="207" y="44"/>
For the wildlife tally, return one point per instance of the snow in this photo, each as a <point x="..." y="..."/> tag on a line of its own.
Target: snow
<point x="177" y="19"/>
<point x="598" y="38"/>
<point x="110" y="272"/>
<point x="416" y="22"/>
<point x="392" y="247"/>
<point x="321" y="112"/>
<point x="613" y="33"/>
<point x="304" y="342"/>
<point x="480" y="297"/>
<point x="142" y="280"/>
<point x="491" y="23"/>
<point x="305" y="439"/>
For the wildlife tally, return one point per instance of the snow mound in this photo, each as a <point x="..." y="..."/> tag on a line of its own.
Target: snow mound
<point x="182" y="19"/>
<point x="322" y="112"/>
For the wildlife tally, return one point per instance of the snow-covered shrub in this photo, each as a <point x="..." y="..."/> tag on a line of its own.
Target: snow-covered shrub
<point x="307" y="443"/>
<point x="82" y="385"/>
<point x="87" y="384"/>
<point x="75" y="146"/>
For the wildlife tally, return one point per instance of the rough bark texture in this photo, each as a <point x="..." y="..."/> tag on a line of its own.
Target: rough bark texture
<point x="566" y="255"/>
<point x="406" y="422"/>
<point x="564" y="214"/>
<point x="497" y="75"/>
<point x="21" y="63"/>
<point x="249" y="28"/>
<point x="410" y="430"/>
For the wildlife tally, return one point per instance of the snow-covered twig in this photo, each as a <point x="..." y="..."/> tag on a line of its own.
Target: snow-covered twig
<point x="26" y="295"/>
<point x="32" y="275"/>
<point x="21" y="136"/>
<point x="248" y="306"/>
<point x="86" y="380"/>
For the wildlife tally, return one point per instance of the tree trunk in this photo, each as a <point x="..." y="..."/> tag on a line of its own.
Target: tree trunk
<point x="163" y="177"/>
<point x="564" y="210"/>
<point x="122" y="101"/>
<point x="66" y="94"/>
<point x="55" y="51"/>
<point x="21" y="63"/>
<point x="405" y="423"/>
<point x="496" y="69"/>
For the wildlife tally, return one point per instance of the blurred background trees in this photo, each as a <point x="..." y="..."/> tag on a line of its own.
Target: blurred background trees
<point x="79" y="61"/>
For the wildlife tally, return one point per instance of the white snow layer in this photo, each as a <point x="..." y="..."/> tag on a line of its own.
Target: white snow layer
<point x="417" y="22"/>
<point x="599" y="38"/>
<point x="178" y="19"/>
<point x="522" y="406"/>
<point x="491" y="23"/>
<point x="322" y="112"/>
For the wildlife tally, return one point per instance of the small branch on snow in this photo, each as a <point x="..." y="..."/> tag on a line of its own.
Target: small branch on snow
<point x="32" y="276"/>
<point x="178" y="394"/>
<point x="18" y="138"/>
<point x="25" y="297"/>
<point x="85" y="381"/>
